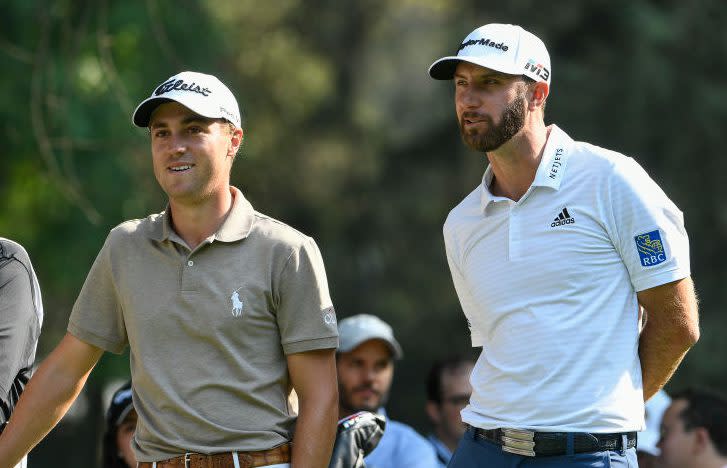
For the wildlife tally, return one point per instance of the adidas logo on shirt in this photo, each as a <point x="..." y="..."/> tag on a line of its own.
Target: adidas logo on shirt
<point x="562" y="219"/>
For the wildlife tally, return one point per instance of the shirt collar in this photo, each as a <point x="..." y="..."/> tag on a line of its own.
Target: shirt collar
<point x="443" y="452"/>
<point x="236" y="226"/>
<point x="551" y="168"/>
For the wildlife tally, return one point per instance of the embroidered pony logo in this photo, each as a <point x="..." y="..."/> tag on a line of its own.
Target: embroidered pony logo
<point x="236" y="304"/>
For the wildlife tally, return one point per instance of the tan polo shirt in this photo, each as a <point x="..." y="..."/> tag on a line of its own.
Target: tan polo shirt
<point x="208" y="329"/>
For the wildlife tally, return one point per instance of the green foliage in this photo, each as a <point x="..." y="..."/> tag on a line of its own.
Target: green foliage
<point x="346" y="138"/>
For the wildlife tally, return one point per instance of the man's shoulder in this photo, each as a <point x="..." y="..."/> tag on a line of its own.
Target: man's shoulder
<point x="471" y="205"/>
<point x="404" y="431"/>
<point x="134" y="228"/>
<point x="591" y="157"/>
<point x="11" y="249"/>
<point x="402" y="446"/>
<point x="14" y="260"/>
<point x="275" y="231"/>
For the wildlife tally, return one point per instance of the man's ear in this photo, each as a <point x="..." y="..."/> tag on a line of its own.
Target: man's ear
<point x="235" y="142"/>
<point x="433" y="412"/>
<point x="538" y="94"/>
<point x="702" y="440"/>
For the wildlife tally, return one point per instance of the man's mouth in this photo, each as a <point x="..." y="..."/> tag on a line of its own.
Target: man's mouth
<point x="367" y="392"/>
<point x="473" y="121"/>
<point x="181" y="168"/>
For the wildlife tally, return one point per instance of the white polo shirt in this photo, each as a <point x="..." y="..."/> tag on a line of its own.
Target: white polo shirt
<point x="548" y="285"/>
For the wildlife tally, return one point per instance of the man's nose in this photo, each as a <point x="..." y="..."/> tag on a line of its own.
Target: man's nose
<point x="470" y="98"/>
<point x="370" y="374"/>
<point x="178" y="145"/>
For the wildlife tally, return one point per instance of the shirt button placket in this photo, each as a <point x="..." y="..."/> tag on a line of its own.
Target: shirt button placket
<point x="514" y="237"/>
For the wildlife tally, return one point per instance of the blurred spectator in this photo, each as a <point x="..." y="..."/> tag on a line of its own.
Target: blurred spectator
<point x="120" y="426"/>
<point x="448" y="392"/>
<point x="647" y="451"/>
<point x="694" y="431"/>
<point x="365" y="364"/>
<point x="21" y="317"/>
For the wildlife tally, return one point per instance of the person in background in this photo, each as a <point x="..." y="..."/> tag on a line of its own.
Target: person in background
<point x="694" y="431"/>
<point x="120" y="427"/>
<point x="551" y="256"/>
<point x="21" y="318"/>
<point x="448" y="392"/>
<point x="365" y="365"/>
<point x="646" y="450"/>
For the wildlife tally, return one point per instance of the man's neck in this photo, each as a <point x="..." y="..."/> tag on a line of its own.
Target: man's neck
<point x="195" y="222"/>
<point x="515" y="163"/>
<point x="449" y="442"/>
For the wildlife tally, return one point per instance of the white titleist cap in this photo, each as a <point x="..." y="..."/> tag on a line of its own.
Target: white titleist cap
<point x="506" y="48"/>
<point x="203" y="94"/>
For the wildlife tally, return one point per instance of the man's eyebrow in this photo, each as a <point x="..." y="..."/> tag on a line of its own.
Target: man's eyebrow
<point x="158" y="124"/>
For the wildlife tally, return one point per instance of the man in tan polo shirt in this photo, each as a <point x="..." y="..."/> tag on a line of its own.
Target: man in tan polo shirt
<point x="225" y="310"/>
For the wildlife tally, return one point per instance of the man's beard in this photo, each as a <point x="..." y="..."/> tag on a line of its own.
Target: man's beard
<point x="348" y="405"/>
<point x="512" y="121"/>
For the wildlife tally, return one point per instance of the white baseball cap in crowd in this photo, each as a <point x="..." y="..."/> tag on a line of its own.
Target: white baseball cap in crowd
<point x="203" y="94"/>
<point x="649" y="437"/>
<point x="506" y="48"/>
<point x="352" y="331"/>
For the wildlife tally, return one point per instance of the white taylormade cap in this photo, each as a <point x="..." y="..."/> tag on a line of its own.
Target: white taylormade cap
<point x="204" y="94"/>
<point x="506" y="48"/>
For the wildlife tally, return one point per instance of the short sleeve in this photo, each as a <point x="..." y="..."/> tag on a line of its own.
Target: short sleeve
<point x="305" y="314"/>
<point x="97" y="316"/>
<point x="647" y="228"/>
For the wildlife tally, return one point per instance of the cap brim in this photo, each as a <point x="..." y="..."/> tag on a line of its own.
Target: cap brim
<point x="393" y="345"/>
<point x="124" y="413"/>
<point x="143" y="111"/>
<point x="444" y="68"/>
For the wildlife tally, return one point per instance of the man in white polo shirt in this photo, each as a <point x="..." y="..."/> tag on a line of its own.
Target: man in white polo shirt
<point x="552" y="256"/>
<point x="225" y="310"/>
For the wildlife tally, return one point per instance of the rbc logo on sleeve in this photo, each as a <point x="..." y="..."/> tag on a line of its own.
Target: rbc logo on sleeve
<point x="650" y="248"/>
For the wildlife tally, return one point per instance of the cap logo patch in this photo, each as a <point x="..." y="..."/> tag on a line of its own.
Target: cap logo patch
<point x="484" y="42"/>
<point x="538" y="69"/>
<point x="180" y="85"/>
<point x="650" y="248"/>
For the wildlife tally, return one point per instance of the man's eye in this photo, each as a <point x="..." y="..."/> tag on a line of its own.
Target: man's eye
<point x="195" y="129"/>
<point x="160" y="133"/>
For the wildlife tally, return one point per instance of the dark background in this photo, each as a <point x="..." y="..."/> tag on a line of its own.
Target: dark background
<point x="346" y="139"/>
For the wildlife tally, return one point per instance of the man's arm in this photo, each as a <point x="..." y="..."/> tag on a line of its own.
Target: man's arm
<point x="49" y="394"/>
<point x="672" y="327"/>
<point x="313" y="374"/>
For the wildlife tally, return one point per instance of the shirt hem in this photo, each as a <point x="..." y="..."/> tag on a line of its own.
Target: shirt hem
<point x="660" y="278"/>
<point x="95" y="340"/>
<point x="310" y="345"/>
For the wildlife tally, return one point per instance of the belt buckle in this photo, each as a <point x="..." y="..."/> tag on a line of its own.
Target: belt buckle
<point x="518" y="441"/>
<point x="187" y="459"/>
